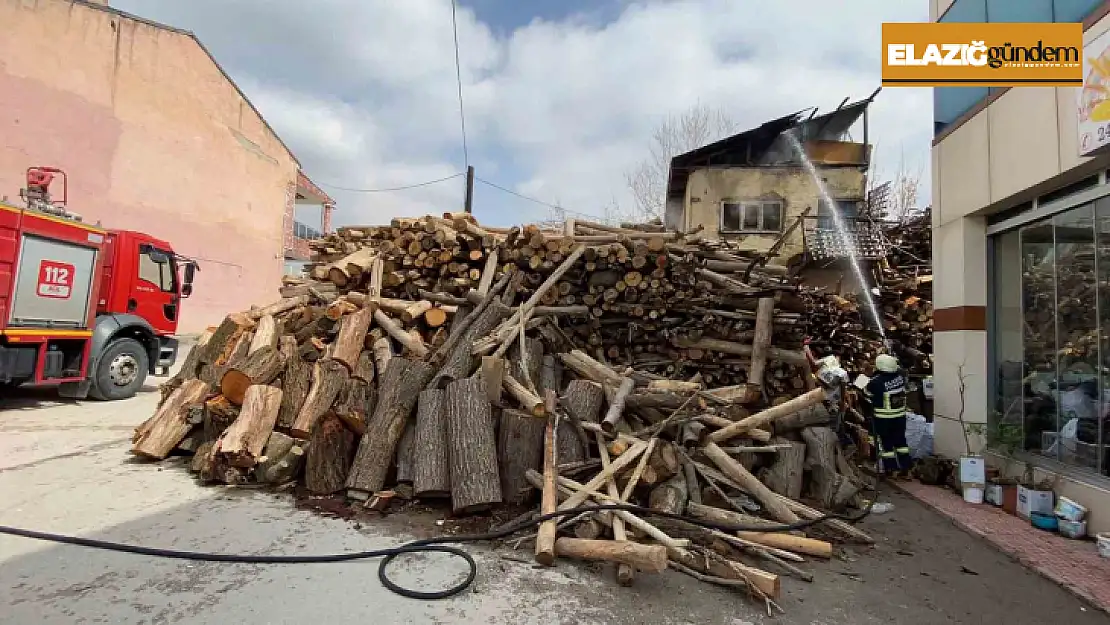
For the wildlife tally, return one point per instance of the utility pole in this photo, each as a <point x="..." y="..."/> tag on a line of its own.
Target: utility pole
<point x="469" y="206"/>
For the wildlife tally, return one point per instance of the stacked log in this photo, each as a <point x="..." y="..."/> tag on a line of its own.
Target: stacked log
<point x="439" y="359"/>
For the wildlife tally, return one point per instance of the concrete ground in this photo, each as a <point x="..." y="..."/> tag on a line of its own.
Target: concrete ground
<point x="64" y="468"/>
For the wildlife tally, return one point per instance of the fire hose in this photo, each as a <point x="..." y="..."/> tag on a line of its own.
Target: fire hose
<point x="427" y="545"/>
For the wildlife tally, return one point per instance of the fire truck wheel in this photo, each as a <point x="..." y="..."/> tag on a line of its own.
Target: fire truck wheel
<point x="121" y="371"/>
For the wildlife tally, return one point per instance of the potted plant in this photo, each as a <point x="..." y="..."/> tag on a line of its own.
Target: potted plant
<point x="1004" y="439"/>
<point x="972" y="478"/>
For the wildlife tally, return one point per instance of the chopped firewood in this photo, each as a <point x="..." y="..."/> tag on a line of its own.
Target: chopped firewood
<point x="433" y="357"/>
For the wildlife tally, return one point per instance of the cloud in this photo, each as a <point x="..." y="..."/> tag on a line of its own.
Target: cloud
<point x="556" y="108"/>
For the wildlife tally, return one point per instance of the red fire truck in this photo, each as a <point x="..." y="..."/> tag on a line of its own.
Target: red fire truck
<point x="90" y="310"/>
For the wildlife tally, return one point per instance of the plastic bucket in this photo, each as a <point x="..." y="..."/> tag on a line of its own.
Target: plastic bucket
<point x="1070" y="509"/>
<point x="1103" y="544"/>
<point x="1073" y="529"/>
<point x="973" y="494"/>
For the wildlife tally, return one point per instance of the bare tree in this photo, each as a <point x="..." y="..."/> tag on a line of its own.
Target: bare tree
<point x="903" y="194"/>
<point x="676" y="134"/>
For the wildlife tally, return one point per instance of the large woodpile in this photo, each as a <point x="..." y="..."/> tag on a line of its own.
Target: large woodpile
<point x="437" y="359"/>
<point x="904" y="278"/>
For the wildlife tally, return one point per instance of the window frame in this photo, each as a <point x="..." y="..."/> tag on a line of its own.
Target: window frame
<point x="744" y="205"/>
<point x="163" y="268"/>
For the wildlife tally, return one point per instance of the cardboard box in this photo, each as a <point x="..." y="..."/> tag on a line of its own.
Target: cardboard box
<point x="1030" y="501"/>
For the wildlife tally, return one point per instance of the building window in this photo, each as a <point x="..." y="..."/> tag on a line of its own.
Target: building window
<point x="1050" y="338"/>
<point x="966" y="11"/>
<point x="751" y="216"/>
<point x="1073" y="10"/>
<point x="1019" y="11"/>
<point x="847" y="209"/>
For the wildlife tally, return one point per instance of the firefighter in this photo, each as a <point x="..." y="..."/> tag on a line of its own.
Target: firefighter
<point x="886" y="404"/>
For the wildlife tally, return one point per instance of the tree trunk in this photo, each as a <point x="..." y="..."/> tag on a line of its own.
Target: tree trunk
<point x="761" y="344"/>
<point x="243" y="442"/>
<point x="459" y="362"/>
<point x="222" y="344"/>
<point x="352" y="333"/>
<point x="352" y="405"/>
<point x="583" y="400"/>
<point x="520" y="447"/>
<point x="212" y="373"/>
<point x="159" y="434"/>
<point x="219" y="414"/>
<point x="266" y="334"/>
<point x="784" y="476"/>
<point x="364" y="369"/>
<point x="813" y="415"/>
<point x="750" y="483"/>
<point x="189" y="369"/>
<point x="475" y="484"/>
<point x="820" y="460"/>
<point x="431" y="471"/>
<point x="295" y="384"/>
<point x="259" y="367"/>
<point x="328" y="379"/>
<point x="670" y="496"/>
<point x="406" y="470"/>
<point x="282" y="464"/>
<point x="330" y="451"/>
<point x="400" y="386"/>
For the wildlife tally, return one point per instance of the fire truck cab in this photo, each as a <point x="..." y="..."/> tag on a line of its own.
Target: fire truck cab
<point x="90" y="310"/>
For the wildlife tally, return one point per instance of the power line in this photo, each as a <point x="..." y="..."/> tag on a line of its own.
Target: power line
<point x="537" y="201"/>
<point x="458" y="81"/>
<point x="385" y="189"/>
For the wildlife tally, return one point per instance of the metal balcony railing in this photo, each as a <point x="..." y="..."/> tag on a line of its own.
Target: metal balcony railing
<point x="308" y="233"/>
<point x="864" y="237"/>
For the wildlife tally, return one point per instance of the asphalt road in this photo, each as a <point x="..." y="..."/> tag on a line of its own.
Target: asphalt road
<point x="64" y="468"/>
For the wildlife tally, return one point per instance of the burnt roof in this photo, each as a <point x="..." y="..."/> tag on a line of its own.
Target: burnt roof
<point x="746" y="148"/>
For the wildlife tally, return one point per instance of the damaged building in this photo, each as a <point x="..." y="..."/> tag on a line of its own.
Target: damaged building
<point x="753" y="188"/>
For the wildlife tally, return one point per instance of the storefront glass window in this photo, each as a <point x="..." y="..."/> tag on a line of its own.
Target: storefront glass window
<point x="966" y="11"/>
<point x="1007" y="411"/>
<point x="1050" y="301"/>
<point x="1038" y="314"/>
<point x="1077" y="339"/>
<point x="1102" y="229"/>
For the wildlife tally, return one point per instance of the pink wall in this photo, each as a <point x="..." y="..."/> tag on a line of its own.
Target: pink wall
<point x="153" y="137"/>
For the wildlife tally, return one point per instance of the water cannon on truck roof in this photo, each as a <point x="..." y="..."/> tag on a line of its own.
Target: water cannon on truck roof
<point x="90" y="310"/>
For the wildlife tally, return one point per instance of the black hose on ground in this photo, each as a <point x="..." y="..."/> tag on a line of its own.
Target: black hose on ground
<point x="427" y="545"/>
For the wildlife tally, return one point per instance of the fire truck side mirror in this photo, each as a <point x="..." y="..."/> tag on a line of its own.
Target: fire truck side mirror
<point x="187" y="284"/>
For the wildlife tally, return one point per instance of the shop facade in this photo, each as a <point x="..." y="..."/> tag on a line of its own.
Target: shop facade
<point x="1021" y="249"/>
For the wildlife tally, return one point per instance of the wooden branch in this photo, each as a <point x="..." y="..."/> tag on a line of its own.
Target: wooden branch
<point x="527" y="399"/>
<point x="616" y="405"/>
<point x="545" y="538"/>
<point x="767" y="416"/>
<point x="417" y="348"/>
<point x="753" y="486"/>
<point x="647" y="558"/>
<point x="159" y="434"/>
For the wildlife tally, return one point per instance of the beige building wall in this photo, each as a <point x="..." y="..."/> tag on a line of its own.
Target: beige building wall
<point x="1020" y="146"/>
<point x="153" y="137"/>
<point x="708" y="188"/>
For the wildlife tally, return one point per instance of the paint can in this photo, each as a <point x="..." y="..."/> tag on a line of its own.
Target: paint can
<point x="973" y="494"/>
<point x="1070" y="509"/>
<point x="1103" y="544"/>
<point x="1073" y="529"/>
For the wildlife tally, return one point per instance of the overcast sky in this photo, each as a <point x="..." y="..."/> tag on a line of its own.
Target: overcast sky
<point x="560" y="96"/>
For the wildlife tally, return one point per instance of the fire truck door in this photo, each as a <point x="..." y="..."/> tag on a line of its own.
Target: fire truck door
<point x="154" y="289"/>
